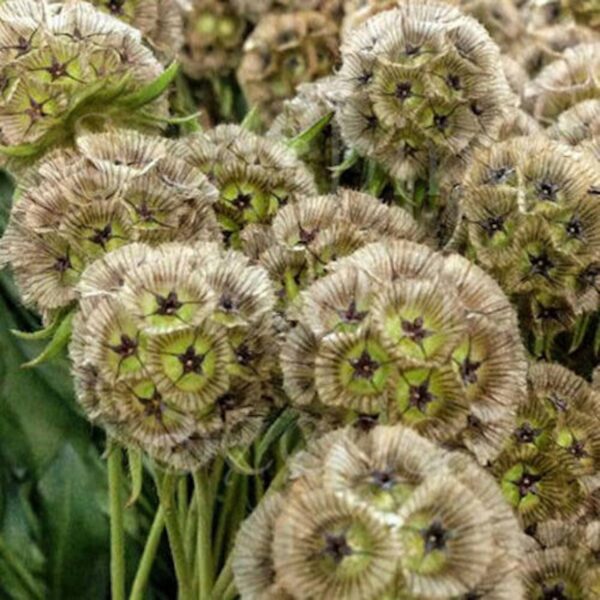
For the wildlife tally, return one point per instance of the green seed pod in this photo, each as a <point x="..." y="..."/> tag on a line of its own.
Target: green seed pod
<point x="66" y="67"/>
<point x="173" y="349"/>
<point x="255" y="176"/>
<point x="438" y="89"/>
<point x="384" y="514"/>
<point x="309" y="235"/>
<point x="160" y="21"/>
<point x="214" y="35"/>
<point x="282" y="52"/>
<point x="402" y="334"/>
<point x="110" y="190"/>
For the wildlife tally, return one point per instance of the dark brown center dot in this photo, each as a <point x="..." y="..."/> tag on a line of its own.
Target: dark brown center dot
<point x="441" y="122"/>
<point x="468" y="371"/>
<point x="244" y="355"/>
<point x="526" y="434"/>
<point x="415" y="330"/>
<point x="153" y="406"/>
<point x="548" y="313"/>
<point x="226" y="303"/>
<point x="403" y="90"/>
<point x="226" y="403"/>
<point x="191" y="361"/>
<point x="577" y="449"/>
<point x="435" y="537"/>
<point x="364" y="78"/>
<point x="115" y="6"/>
<point x="126" y="347"/>
<point x="499" y="175"/>
<point x="169" y="305"/>
<point x="420" y="397"/>
<point x="62" y="264"/>
<point x="56" y="69"/>
<point x="242" y="201"/>
<point x="493" y="225"/>
<point x="364" y="366"/>
<point x="527" y="484"/>
<point x="145" y="213"/>
<point x="306" y="236"/>
<point x="540" y="264"/>
<point x="352" y="314"/>
<point x="35" y="110"/>
<point x="383" y="479"/>
<point x="454" y="82"/>
<point x="560" y="404"/>
<point x="547" y="191"/>
<point x="574" y="228"/>
<point x="102" y="236"/>
<point x="555" y="592"/>
<point x="337" y="547"/>
<point x="476" y="108"/>
<point x="412" y="50"/>
<point x="366" y="423"/>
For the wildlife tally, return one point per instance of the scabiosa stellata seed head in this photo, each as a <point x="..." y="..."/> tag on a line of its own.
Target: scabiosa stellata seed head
<point x="255" y="176"/>
<point x="570" y="79"/>
<point x="110" y="190"/>
<point x="385" y="514"/>
<point x="403" y="334"/>
<point x="549" y="467"/>
<point x="173" y="349"/>
<point x="423" y="82"/>
<point x="214" y="34"/>
<point x="70" y="66"/>
<point x="306" y="237"/>
<point x="534" y="223"/>
<point x="284" y="51"/>
<point x="577" y="124"/>
<point x="160" y="21"/>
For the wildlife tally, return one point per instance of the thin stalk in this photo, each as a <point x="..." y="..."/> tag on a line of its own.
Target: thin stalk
<point x="231" y="497"/>
<point x="145" y="567"/>
<point x="182" y="500"/>
<point x="204" y="509"/>
<point x="117" y="524"/>
<point x="215" y="477"/>
<point x="224" y="580"/>
<point x="189" y="535"/>
<point x="165" y="486"/>
<point x="20" y="572"/>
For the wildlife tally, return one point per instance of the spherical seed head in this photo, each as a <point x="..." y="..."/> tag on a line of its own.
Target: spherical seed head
<point x="316" y="231"/>
<point x="175" y="354"/>
<point x="111" y="190"/>
<point x="255" y="176"/>
<point x="160" y="21"/>
<point x="65" y="66"/>
<point x="402" y="333"/>
<point x="533" y="221"/>
<point x="214" y="35"/>
<point x="577" y="124"/>
<point x="282" y="52"/>
<point x="380" y="514"/>
<point x="438" y="88"/>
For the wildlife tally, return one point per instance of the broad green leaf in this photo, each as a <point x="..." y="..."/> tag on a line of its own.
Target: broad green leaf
<point x="301" y="142"/>
<point x="152" y="91"/>
<point x="59" y="342"/>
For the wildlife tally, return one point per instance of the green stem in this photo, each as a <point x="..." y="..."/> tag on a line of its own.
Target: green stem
<point x="20" y="572"/>
<point x="230" y="592"/>
<point x="143" y="573"/>
<point x="204" y="534"/>
<point x="182" y="500"/>
<point x="189" y="534"/>
<point x="224" y="580"/>
<point x="117" y="525"/>
<point x="166" y="489"/>
<point x="231" y="497"/>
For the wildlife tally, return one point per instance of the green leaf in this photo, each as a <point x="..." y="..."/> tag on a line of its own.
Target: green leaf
<point x="21" y="150"/>
<point x="59" y="342"/>
<point x="350" y="160"/>
<point x="301" y="142"/>
<point x="75" y="530"/>
<point x="152" y="91"/>
<point x="136" y="473"/>
<point x="252" y="120"/>
<point x="581" y="328"/>
<point x="41" y="334"/>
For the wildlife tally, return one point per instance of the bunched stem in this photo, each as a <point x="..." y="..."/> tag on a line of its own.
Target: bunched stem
<point x="166" y="487"/>
<point x="117" y="526"/>
<point x="143" y="573"/>
<point x="204" y="509"/>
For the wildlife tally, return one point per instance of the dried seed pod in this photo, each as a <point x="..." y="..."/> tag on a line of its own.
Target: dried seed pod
<point x="383" y="514"/>
<point x="255" y="176"/>
<point x="176" y="356"/>
<point x="577" y="124"/>
<point x="308" y="235"/>
<point x="425" y="74"/>
<point x="281" y="53"/>
<point x="110" y="190"/>
<point x="160" y="21"/>
<point x="70" y="66"/>
<point x="533" y="222"/>
<point x="214" y="35"/>
<point x="585" y="12"/>
<point x="565" y="82"/>
<point x="402" y="334"/>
